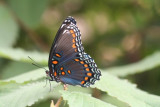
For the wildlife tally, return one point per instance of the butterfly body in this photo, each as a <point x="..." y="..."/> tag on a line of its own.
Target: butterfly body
<point x="68" y="63"/>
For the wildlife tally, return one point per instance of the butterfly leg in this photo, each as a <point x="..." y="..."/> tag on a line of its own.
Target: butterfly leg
<point x="65" y="86"/>
<point x="46" y="82"/>
<point x="49" y="81"/>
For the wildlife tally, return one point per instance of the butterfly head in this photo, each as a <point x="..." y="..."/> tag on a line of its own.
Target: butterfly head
<point x="49" y="75"/>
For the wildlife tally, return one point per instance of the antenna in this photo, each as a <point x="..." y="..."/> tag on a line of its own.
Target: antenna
<point x="36" y="64"/>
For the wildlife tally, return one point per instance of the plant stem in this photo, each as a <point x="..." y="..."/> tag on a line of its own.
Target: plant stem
<point x="52" y="103"/>
<point x="58" y="102"/>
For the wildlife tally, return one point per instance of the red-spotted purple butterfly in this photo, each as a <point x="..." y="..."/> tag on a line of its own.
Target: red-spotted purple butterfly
<point x="68" y="63"/>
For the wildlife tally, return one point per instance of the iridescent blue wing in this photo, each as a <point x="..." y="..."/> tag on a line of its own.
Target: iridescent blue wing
<point x="68" y="63"/>
<point x="81" y="70"/>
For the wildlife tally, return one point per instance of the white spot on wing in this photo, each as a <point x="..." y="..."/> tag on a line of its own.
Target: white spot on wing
<point x="65" y="31"/>
<point x="63" y="25"/>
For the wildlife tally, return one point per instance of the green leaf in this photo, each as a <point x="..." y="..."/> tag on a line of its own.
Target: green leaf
<point x="148" y="63"/>
<point x="28" y="76"/>
<point x="157" y="5"/>
<point x="78" y="99"/>
<point x="17" y="67"/>
<point x="29" y="11"/>
<point x="6" y="87"/>
<point x="30" y="93"/>
<point x="113" y="100"/>
<point x="8" y="28"/>
<point x="115" y="87"/>
<point x="22" y="55"/>
<point x="26" y="95"/>
<point x="126" y="92"/>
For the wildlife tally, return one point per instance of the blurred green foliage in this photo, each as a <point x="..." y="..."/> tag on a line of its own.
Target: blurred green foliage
<point x="115" y="33"/>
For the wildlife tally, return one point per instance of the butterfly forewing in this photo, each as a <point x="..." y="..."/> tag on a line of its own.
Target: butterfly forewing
<point x="68" y="63"/>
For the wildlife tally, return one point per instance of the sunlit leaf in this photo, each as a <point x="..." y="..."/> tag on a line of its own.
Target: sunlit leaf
<point x="146" y="64"/>
<point x="78" y="99"/>
<point x="115" y="87"/>
<point x="22" y="55"/>
<point x="114" y="101"/>
<point x="126" y="92"/>
<point x="26" y="95"/>
<point x="6" y="87"/>
<point x="28" y="76"/>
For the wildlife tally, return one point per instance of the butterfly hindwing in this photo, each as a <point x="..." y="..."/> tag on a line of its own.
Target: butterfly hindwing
<point x="68" y="63"/>
<point x="83" y="71"/>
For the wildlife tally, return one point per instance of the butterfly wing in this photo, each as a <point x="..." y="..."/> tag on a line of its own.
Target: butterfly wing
<point x="81" y="70"/>
<point x="68" y="62"/>
<point x="63" y="47"/>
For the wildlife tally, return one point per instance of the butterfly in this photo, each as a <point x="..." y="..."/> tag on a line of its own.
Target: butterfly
<point x="68" y="63"/>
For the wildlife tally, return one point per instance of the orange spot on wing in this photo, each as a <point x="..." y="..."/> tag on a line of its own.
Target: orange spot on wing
<point x="86" y="78"/>
<point x="82" y="82"/>
<point x="63" y="73"/>
<point x="55" y="73"/>
<point x="75" y="50"/>
<point x="85" y="65"/>
<point x="82" y="62"/>
<point x="73" y="41"/>
<point x="61" y="68"/>
<point x="87" y="69"/>
<point x="76" y="60"/>
<point x="89" y="74"/>
<point x="69" y="71"/>
<point x="73" y="35"/>
<point x="71" y="31"/>
<point x="58" y="55"/>
<point x="74" y="46"/>
<point x="55" y="62"/>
